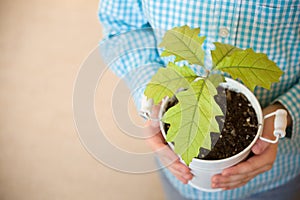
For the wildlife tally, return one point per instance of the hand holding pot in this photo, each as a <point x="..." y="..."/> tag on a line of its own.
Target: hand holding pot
<point x="165" y="154"/>
<point x="262" y="161"/>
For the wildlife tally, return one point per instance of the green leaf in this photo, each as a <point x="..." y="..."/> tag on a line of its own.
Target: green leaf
<point x="222" y="51"/>
<point x="185" y="44"/>
<point x="192" y="119"/>
<point x="168" y="80"/>
<point x="252" y="68"/>
<point x="216" y="79"/>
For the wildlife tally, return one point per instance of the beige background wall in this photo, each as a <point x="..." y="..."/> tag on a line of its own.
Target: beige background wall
<point x="43" y="43"/>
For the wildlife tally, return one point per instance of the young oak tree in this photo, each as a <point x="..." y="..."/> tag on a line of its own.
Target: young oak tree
<point x="193" y="118"/>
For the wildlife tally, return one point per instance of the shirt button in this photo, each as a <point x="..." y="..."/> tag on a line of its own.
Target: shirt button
<point x="223" y="32"/>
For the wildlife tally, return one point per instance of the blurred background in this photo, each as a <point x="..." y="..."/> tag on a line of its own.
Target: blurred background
<point x="43" y="43"/>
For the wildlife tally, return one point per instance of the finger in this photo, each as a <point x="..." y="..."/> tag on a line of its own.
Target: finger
<point x="235" y="185"/>
<point x="181" y="178"/>
<point x="263" y="162"/>
<point x="231" y="185"/>
<point x="247" y="168"/>
<point x="220" y="180"/>
<point x="178" y="173"/>
<point x="259" y="147"/>
<point x="181" y="168"/>
<point x="242" y="168"/>
<point x="184" y="178"/>
<point x="228" y="181"/>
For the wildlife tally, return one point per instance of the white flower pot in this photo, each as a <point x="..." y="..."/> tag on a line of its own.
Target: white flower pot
<point x="203" y="170"/>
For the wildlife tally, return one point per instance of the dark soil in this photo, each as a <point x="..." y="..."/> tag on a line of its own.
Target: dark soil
<point x="238" y="126"/>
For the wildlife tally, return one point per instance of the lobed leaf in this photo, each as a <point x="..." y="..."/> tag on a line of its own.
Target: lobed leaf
<point x="168" y="80"/>
<point x="221" y="52"/>
<point x="185" y="44"/>
<point x="192" y="119"/>
<point x="252" y="68"/>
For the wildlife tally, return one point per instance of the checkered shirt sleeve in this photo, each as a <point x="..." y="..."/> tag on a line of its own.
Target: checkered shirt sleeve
<point x="129" y="47"/>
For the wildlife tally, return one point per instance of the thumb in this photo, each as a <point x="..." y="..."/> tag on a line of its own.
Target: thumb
<point x="259" y="147"/>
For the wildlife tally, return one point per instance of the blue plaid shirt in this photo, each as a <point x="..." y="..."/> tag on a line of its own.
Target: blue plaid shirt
<point x="134" y="28"/>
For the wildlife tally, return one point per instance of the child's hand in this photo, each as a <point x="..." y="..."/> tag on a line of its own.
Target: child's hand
<point x="262" y="161"/>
